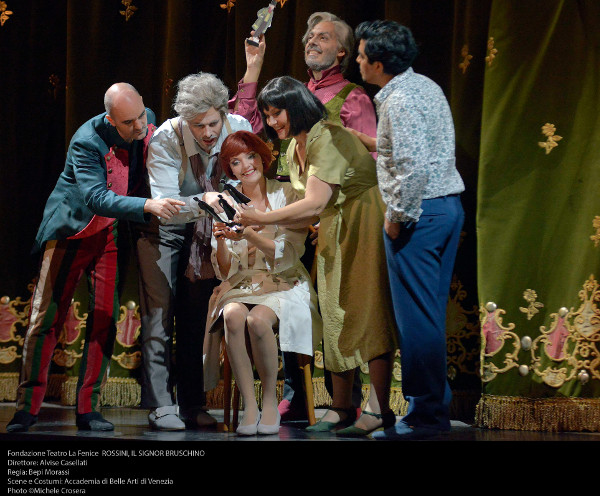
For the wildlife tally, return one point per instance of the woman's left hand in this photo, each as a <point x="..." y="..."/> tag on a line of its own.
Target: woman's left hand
<point x="248" y="216"/>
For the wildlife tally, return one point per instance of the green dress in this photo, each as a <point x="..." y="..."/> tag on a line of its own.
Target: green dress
<point x="353" y="286"/>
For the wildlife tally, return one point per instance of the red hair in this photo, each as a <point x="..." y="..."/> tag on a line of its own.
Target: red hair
<point x="243" y="142"/>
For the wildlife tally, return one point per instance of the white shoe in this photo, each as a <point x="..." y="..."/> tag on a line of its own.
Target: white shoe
<point x="166" y="418"/>
<point x="269" y="429"/>
<point x="250" y="429"/>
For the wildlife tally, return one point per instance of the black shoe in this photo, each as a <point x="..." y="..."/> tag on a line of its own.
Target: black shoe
<point x="21" y="422"/>
<point x="198" y="418"/>
<point x="93" y="421"/>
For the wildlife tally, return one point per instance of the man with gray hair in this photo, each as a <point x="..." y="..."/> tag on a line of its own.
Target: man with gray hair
<point x="328" y="46"/>
<point x="174" y="256"/>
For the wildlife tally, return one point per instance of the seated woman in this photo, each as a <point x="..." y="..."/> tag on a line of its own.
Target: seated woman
<point x="265" y="286"/>
<point x="335" y="177"/>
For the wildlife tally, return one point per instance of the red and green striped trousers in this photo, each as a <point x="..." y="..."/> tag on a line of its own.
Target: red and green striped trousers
<point x="62" y="264"/>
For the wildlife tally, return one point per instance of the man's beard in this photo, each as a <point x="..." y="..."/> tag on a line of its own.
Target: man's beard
<point x="320" y="66"/>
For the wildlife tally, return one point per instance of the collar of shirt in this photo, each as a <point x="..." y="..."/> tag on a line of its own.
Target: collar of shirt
<point x="392" y="85"/>
<point x="192" y="147"/>
<point x="329" y="77"/>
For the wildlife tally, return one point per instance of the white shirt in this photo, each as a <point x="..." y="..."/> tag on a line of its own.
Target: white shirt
<point x="164" y="164"/>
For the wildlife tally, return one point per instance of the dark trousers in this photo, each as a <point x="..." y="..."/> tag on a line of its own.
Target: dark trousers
<point x="420" y="264"/>
<point x="61" y="267"/>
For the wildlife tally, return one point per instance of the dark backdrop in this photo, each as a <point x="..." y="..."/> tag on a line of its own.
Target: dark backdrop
<point x="57" y="60"/>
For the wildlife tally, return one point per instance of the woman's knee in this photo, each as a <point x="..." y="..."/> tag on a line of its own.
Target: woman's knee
<point x="234" y="316"/>
<point x="260" y="322"/>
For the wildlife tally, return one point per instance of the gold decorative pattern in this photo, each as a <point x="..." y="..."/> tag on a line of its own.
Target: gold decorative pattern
<point x="459" y="331"/>
<point x="129" y="9"/>
<point x="397" y="371"/>
<point x="530" y="296"/>
<point x="167" y="85"/>
<point x="491" y="52"/>
<point x="129" y="361"/>
<point x="494" y="335"/>
<point x="587" y="318"/>
<point x="571" y="343"/>
<point x="66" y="358"/>
<point x="128" y="325"/>
<point x="73" y="327"/>
<point x="4" y="14"/>
<point x="549" y="131"/>
<point x="11" y="317"/>
<point x="569" y="350"/>
<point x="8" y="355"/>
<point x="596" y="225"/>
<point x="14" y="318"/>
<point x="319" y="359"/>
<point x="466" y="62"/>
<point x="229" y="5"/>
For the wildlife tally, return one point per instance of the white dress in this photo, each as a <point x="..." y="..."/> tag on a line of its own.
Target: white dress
<point x="281" y="283"/>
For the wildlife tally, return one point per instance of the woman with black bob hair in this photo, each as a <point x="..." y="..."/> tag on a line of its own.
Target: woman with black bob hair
<point x="334" y="176"/>
<point x="304" y="108"/>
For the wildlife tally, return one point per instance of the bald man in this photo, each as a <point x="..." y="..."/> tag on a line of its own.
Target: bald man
<point x="104" y="170"/>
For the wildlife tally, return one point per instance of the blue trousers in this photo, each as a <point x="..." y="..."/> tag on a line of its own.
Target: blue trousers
<point x="420" y="264"/>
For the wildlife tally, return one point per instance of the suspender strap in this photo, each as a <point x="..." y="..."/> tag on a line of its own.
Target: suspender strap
<point x="228" y="126"/>
<point x="184" y="158"/>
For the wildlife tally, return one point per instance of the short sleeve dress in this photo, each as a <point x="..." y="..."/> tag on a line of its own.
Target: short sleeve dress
<point x="353" y="286"/>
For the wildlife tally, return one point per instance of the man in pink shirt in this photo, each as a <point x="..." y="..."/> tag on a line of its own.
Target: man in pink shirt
<point x="328" y="46"/>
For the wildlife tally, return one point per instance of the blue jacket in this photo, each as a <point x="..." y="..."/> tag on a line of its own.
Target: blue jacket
<point x="91" y="191"/>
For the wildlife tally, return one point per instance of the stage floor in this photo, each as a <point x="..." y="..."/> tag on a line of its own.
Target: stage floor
<point x="57" y="422"/>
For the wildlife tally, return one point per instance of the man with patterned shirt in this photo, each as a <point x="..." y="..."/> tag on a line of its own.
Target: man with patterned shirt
<point x="328" y="45"/>
<point x="420" y="185"/>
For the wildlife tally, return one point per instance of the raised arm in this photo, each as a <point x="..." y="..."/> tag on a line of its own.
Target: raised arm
<point x="244" y="101"/>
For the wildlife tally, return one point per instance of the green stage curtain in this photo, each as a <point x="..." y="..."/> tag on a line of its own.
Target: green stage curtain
<point x="538" y="213"/>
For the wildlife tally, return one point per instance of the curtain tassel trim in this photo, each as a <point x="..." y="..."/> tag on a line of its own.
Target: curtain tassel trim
<point x="540" y="414"/>
<point x="9" y="382"/>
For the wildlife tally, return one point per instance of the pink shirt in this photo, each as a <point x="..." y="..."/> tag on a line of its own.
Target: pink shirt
<point x="357" y="112"/>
